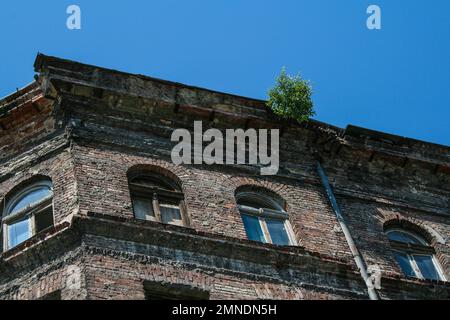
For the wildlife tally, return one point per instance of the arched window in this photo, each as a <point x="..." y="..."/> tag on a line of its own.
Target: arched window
<point x="27" y="212"/>
<point x="157" y="198"/>
<point x="265" y="219"/>
<point x="414" y="255"/>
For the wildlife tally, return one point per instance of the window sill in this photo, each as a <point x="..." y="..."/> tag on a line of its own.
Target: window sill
<point x="39" y="237"/>
<point x="415" y="281"/>
<point x="428" y="281"/>
<point x="295" y="250"/>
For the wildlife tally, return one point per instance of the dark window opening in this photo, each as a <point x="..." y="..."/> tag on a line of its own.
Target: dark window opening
<point x="44" y="220"/>
<point x="53" y="296"/>
<point x="164" y="291"/>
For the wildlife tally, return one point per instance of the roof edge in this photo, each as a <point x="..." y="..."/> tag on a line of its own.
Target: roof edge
<point x="356" y="131"/>
<point x="43" y="60"/>
<point x="19" y="97"/>
<point x="20" y="92"/>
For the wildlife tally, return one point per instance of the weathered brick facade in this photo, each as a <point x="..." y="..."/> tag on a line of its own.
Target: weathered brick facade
<point x="85" y="128"/>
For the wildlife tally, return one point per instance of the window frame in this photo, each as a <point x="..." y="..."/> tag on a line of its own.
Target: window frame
<point x="411" y="250"/>
<point x="27" y="213"/>
<point x="158" y="196"/>
<point x="264" y="214"/>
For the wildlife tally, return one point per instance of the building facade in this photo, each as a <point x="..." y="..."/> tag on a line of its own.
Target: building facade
<point x="93" y="207"/>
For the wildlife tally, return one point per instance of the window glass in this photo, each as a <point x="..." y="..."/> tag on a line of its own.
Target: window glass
<point x="253" y="228"/>
<point x="152" y="192"/>
<point x="403" y="237"/>
<point x="170" y="214"/>
<point x="427" y="267"/>
<point x="252" y="204"/>
<point x="267" y="224"/>
<point x="405" y="264"/>
<point x="31" y="197"/>
<point x="18" y="232"/>
<point x="152" y="182"/>
<point x="143" y="209"/>
<point x="278" y="232"/>
<point x="417" y="260"/>
<point x="258" y="202"/>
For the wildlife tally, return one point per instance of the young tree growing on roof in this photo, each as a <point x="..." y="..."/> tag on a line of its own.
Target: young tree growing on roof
<point x="291" y="98"/>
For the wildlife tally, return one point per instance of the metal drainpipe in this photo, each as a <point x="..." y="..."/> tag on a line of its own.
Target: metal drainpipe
<point x="355" y="252"/>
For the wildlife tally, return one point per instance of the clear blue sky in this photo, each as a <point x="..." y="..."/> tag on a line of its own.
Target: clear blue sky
<point x="395" y="80"/>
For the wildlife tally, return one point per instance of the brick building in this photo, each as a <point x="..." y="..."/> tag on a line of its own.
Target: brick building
<point x="92" y="206"/>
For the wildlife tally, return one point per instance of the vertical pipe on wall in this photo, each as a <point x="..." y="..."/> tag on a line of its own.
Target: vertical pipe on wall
<point x="351" y="243"/>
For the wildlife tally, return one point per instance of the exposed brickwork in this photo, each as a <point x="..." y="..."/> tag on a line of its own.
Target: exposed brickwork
<point x="86" y="128"/>
<point x="21" y="126"/>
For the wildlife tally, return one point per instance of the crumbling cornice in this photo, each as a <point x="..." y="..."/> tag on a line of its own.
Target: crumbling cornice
<point x="60" y="78"/>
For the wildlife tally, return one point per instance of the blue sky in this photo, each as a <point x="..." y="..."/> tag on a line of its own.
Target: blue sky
<point x="396" y="79"/>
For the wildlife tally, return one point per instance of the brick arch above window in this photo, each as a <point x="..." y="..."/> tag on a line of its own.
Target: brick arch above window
<point x="418" y="227"/>
<point x="271" y="198"/>
<point x="279" y="190"/>
<point x="178" y="174"/>
<point x="167" y="176"/>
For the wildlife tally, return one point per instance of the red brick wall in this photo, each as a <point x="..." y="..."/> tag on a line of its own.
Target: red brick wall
<point x="210" y="197"/>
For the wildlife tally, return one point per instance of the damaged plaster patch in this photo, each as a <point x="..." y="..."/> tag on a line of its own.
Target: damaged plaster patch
<point x="73" y="280"/>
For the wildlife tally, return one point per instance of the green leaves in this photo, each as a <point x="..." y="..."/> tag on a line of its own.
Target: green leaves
<point x="291" y="98"/>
